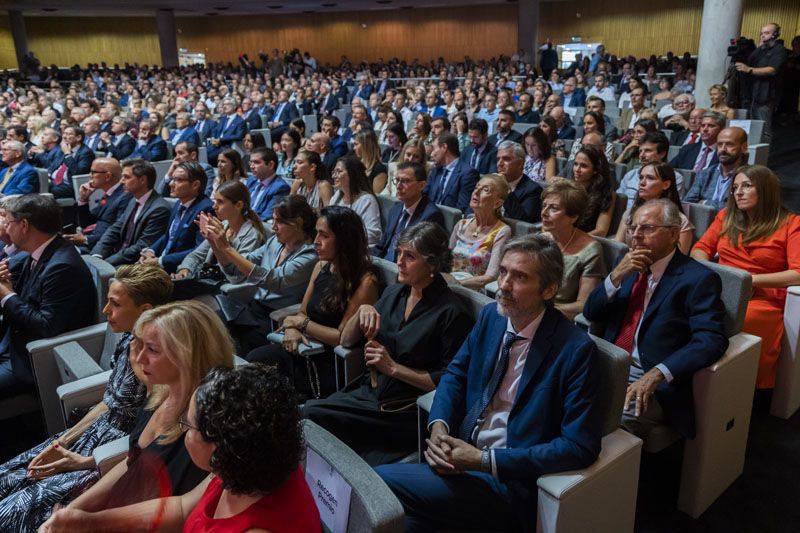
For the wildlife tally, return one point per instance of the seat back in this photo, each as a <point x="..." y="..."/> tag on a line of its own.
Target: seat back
<point x="700" y="215"/>
<point x="612" y="249"/>
<point x="161" y="168"/>
<point x="387" y="271"/>
<point x="688" y="177"/>
<point x="620" y="206"/>
<point x="373" y="506"/>
<point x="202" y="154"/>
<point x="109" y="346"/>
<point x="451" y="217"/>
<point x="520" y="228"/>
<point x="737" y="285"/>
<point x="673" y="151"/>
<point x="385" y="203"/>
<point x="265" y="133"/>
<point x="474" y="301"/>
<point x="311" y="124"/>
<point x="613" y="366"/>
<point x="44" y="180"/>
<point x="102" y="273"/>
<point x="522" y="127"/>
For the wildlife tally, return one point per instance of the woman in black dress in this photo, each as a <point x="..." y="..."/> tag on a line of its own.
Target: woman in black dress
<point x="342" y="281"/>
<point x="411" y="335"/>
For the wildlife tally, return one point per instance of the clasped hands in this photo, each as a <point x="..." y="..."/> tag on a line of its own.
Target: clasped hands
<point x="449" y="455"/>
<point x="293" y="337"/>
<point x="56" y="459"/>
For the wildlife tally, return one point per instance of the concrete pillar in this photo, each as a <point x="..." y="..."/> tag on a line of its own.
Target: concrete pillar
<point x="722" y="21"/>
<point x="528" y="29"/>
<point x="18" y="33"/>
<point x="167" y="40"/>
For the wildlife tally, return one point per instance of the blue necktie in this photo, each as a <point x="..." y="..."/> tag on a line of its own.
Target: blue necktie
<point x="258" y="194"/>
<point x="471" y="422"/>
<point x="173" y="230"/>
<point x="401" y="225"/>
<point x="440" y="193"/>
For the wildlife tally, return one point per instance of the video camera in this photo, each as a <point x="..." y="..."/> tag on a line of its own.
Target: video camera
<point x="741" y="48"/>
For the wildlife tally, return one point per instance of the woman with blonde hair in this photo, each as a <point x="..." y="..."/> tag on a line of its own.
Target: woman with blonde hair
<point x="366" y="148"/>
<point x="718" y="94"/>
<point x="175" y="346"/>
<point x="477" y="241"/>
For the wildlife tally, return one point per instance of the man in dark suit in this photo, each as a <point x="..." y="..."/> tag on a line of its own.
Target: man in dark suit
<point x="524" y="200"/>
<point x="526" y="114"/>
<point x="572" y="95"/>
<point x="150" y="146"/>
<point x="185" y="152"/>
<point x="480" y="154"/>
<point x="18" y="177"/>
<point x="518" y="401"/>
<point x="144" y="220"/>
<point x="230" y="129"/>
<point x="330" y="127"/>
<point x="77" y="161"/>
<point x="266" y="188"/>
<point x="412" y="208"/>
<point x="383" y="84"/>
<point x="691" y="134"/>
<point x="118" y="143"/>
<point x="250" y="115"/>
<point x="203" y="124"/>
<point x="701" y="155"/>
<point x="49" y="155"/>
<point x="564" y="128"/>
<point x="665" y="309"/>
<point x="452" y="181"/>
<point x="91" y="132"/>
<point x="184" y="132"/>
<point x="712" y="186"/>
<point x="326" y="103"/>
<point x="505" y="129"/>
<point x="285" y="113"/>
<point x="51" y="293"/>
<point x="105" y="174"/>
<point x="188" y="185"/>
<point x="363" y="90"/>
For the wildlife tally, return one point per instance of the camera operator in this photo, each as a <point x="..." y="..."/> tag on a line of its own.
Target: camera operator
<point x="763" y="68"/>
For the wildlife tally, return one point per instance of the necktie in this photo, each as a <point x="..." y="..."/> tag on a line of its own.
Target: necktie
<point x="130" y="225"/>
<point x="471" y="420"/>
<point x="693" y="138"/>
<point x="475" y="160"/>
<point x="440" y="193"/>
<point x="9" y="172"/>
<point x="173" y="229"/>
<point x="401" y="225"/>
<point x="633" y="313"/>
<point x="257" y="196"/>
<point x="701" y="162"/>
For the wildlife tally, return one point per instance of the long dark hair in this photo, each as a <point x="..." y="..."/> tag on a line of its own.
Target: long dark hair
<point x="359" y="182"/>
<point x="236" y="160"/>
<point x="235" y="191"/>
<point x="666" y="173"/>
<point x="600" y="188"/>
<point x="542" y="141"/>
<point x="295" y="207"/>
<point x="351" y="260"/>
<point x="313" y="158"/>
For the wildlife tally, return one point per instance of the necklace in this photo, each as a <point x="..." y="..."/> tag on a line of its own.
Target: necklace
<point x="574" y="229"/>
<point x="479" y="229"/>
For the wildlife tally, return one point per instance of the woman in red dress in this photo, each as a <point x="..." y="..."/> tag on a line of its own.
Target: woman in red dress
<point x="756" y="233"/>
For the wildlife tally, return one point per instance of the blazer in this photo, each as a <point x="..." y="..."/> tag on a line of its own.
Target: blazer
<point x="513" y="135"/>
<point x="329" y="161"/>
<point x="327" y="108"/>
<point x="426" y="211"/>
<point x="150" y="225"/>
<point x="625" y="119"/>
<point x="154" y="150"/>
<point x="681" y="329"/>
<point x="187" y="135"/>
<point x="49" y="159"/>
<point x="554" y="424"/>
<point x="566" y="132"/>
<point x="24" y="180"/>
<point x="576" y="99"/>
<point x="123" y="149"/>
<point x="704" y="187"/>
<point x="679" y="137"/>
<point x="459" y="186"/>
<point x="206" y="129"/>
<point x="79" y="161"/>
<point x="381" y="86"/>
<point x="187" y="234"/>
<point x="287" y="115"/>
<point x="531" y="117"/>
<point x="253" y="120"/>
<point x="102" y="216"/>
<point x="687" y="156"/>
<point x="525" y="202"/>
<point x="488" y="159"/>
<point x="247" y="240"/>
<point x="276" y="191"/>
<point x="339" y="146"/>
<point x="363" y="92"/>
<point x="57" y="296"/>
<point x="230" y="133"/>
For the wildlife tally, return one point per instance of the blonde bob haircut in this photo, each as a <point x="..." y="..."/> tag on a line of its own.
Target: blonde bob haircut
<point x="193" y="339"/>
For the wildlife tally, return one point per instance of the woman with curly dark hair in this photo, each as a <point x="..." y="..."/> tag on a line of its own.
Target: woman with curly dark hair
<point x="243" y="426"/>
<point x="591" y="172"/>
<point x="411" y="335"/>
<point x="342" y="281"/>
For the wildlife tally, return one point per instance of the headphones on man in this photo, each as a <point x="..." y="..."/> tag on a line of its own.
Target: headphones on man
<point x="777" y="33"/>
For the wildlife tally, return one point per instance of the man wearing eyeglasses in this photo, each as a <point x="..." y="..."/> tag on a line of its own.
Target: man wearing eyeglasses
<point x="413" y="207"/>
<point x="665" y="309"/>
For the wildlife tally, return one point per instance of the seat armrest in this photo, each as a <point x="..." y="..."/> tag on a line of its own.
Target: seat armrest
<point x="425" y="401"/>
<point x="278" y="315"/>
<point x="238" y="361"/>
<point x="349" y="365"/>
<point x="491" y="289"/>
<point x="108" y="455"/>
<point x="74" y="363"/>
<point x="582" y="322"/>
<point x="82" y="393"/>
<point x="239" y="291"/>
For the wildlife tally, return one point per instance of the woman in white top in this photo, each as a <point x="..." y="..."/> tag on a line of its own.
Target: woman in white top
<point x="353" y="190"/>
<point x="311" y="180"/>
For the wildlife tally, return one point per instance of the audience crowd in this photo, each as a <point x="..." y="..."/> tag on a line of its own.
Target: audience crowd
<point x="280" y="210"/>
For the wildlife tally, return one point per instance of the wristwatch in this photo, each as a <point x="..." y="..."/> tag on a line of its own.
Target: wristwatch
<point x="486" y="461"/>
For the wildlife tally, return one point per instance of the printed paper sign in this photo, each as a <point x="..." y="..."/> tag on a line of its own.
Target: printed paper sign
<point x="331" y="492"/>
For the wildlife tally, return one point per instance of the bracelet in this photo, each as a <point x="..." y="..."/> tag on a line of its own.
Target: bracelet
<point x="305" y="325"/>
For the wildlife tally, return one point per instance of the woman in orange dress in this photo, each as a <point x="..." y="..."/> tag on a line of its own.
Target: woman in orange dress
<point x="757" y="234"/>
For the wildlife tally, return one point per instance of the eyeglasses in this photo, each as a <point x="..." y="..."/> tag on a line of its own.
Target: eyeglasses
<point x="184" y="424"/>
<point x="746" y="186"/>
<point x="646" y="229"/>
<point x="403" y="182"/>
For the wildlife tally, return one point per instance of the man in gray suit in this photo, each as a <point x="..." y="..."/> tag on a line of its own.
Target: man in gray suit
<point x="143" y="221"/>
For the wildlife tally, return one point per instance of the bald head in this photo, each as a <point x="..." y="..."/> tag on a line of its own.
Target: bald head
<point x="320" y="143"/>
<point x="732" y="147"/>
<point x="558" y="115"/>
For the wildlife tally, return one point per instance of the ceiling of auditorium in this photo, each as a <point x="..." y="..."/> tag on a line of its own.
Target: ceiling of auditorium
<point x="217" y="7"/>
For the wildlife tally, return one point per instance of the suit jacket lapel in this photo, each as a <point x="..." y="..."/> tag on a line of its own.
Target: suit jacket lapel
<point x="496" y="334"/>
<point x="539" y="350"/>
<point x="671" y="276"/>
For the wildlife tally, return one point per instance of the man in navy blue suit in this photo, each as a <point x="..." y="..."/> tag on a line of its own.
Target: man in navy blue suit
<point x="266" y="188"/>
<point x="524" y="200"/>
<point x="330" y="127"/>
<point x="526" y="114"/>
<point x="18" y="177"/>
<point x="105" y="175"/>
<point x="49" y="155"/>
<point x="412" y="208"/>
<point x="572" y="95"/>
<point x="564" y="127"/>
<point x="118" y="143"/>
<point x="701" y="155"/>
<point x="203" y="124"/>
<point x="480" y="154"/>
<point x="285" y="113"/>
<point x="77" y="161"/>
<point x="451" y="181"/>
<point x="665" y="309"/>
<point x="188" y="185"/>
<point x="518" y="401"/>
<point x="52" y="293"/>
<point x="505" y="129"/>
<point x="230" y="129"/>
<point x="250" y="115"/>
<point x="183" y="132"/>
<point x="150" y="146"/>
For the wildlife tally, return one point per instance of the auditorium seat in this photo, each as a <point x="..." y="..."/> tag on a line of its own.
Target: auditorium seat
<point x="311" y="125"/>
<point x="451" y="217"/>
<point x="385" y="203"/>
<point x="619" y="209"/>
<point x="520" y="228"/>
<point x="522" y="127"/>
<point x="700" y="215"/>
<point x="786" y="396"/>
<point x="44" y="180"/>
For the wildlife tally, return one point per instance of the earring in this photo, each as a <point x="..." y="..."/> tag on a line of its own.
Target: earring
<point x="432" y="275"/>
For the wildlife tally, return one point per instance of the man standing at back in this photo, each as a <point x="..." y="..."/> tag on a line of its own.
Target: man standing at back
<point x="51" y="293"/>
<point x="518" y="401"/>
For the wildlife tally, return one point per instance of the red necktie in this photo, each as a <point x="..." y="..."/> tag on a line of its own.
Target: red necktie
<point x="627" y="330"/>
<point x="693" y="138"/>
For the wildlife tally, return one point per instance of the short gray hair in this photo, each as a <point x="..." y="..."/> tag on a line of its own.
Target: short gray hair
<point x="546" y="253"/>
<point x="431" y="242"/>
<point x="670" y="214"/>
<point x="717" y="117"/>
<point x="514" y="147"/>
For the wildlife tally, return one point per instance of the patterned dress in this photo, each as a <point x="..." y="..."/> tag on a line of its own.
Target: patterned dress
<point x="25" y="504"/>
<point x="478" y="255"/>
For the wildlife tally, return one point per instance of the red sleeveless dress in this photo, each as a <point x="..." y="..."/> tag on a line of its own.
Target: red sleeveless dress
<point x="289" y="509"/>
